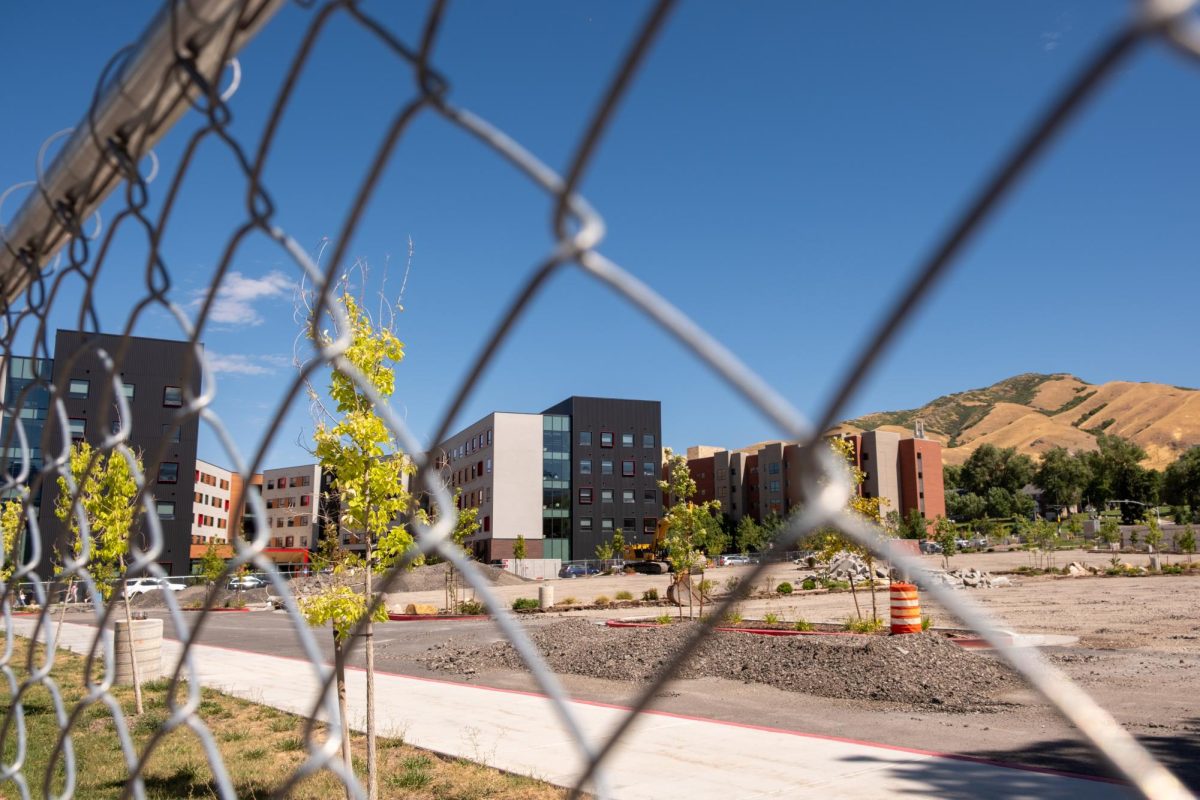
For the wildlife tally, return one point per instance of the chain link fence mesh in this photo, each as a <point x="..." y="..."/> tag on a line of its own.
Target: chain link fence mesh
<point x="186" y="64"/>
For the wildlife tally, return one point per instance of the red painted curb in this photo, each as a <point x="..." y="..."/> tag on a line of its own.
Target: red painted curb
<point x="223" y="610"/>
<point x="432" y="617"/>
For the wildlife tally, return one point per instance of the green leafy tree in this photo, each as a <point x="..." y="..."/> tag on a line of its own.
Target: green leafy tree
<point x="369" y="469"/>
<point x="618" y="543"/>
<point x="1185" y="542"/>
<point x="1062" y="477"/>
<point x="989" y="467"/>
<point x="1154" y="533"/>
<point x="966" y="506"/>
<point x="12" y="525"/>
<point x="1116" y="473"/>
<point x="999" y="502"/>
<point x="106" y="491"/>
<point x="211" y="564"/>
<point x="951" y="477"/>
<point x="749" y="535"/>
<point x="1181" y="481"/>
<point x="519" y="547"/>
<point x="604" y="551"/>
<point x="690" y="527"/>
<point x="913" y="525"/>
<point x="1110" y="531"/>
<point x="946" y="535"/>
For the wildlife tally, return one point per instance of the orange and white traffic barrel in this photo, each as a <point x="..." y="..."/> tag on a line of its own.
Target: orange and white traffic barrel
<point x="906" y="609"/>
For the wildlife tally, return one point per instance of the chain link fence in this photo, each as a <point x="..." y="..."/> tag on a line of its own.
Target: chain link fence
<point x="186" y="63"/>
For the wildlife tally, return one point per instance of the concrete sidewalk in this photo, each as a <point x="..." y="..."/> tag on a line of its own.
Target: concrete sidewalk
<point x="662" y="756"/>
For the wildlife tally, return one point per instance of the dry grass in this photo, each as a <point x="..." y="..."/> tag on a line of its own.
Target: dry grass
<point x="260" y="746"/>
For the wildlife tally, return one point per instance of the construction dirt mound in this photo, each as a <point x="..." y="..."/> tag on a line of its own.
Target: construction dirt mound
<point x="923" y="671"/>
<point x="195" y="595"/>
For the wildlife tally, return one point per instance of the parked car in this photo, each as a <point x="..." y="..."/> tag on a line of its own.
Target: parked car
<point x="136" y="586"/>
<point x="734" y="560"/>
<point x="246" y="582"/>
<point x="174" y="584"/>
<point x="577" y="571"/>
<point x="930" y="548"/>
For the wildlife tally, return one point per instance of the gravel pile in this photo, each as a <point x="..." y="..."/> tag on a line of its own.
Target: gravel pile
<point x="199" y="594"/>
<point x="923" y="671"/>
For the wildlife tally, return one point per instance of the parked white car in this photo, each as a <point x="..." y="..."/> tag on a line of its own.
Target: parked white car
<point x="137" y="586"/>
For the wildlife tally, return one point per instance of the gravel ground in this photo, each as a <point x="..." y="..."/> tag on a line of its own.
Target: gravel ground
<point x="914" y="672"/>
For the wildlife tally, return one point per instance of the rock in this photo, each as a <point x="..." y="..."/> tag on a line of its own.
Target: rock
<point x="422" y="609"/>
<point x="1075" y="569"/>
<point x="1000" y="580"/>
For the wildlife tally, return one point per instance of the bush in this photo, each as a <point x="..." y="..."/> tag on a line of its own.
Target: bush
<point x="731" y="584"/>
<point x="809" y="584"/>
<point x="770" y="618"/>
<point x="471" y="607"/>
<point x="567" y="601"/>
<point x="526" y="604"/>
<point x="784" y="588"/>
<point x="602" y="600"/>
<point x="663" y="619"/>
<point x="862" y="625"/>
<point x="803" y="625"/>
<point x="624" y="595"/>
<point x="706" y="586"/>
<point x="650" y="594"/>
<point x="926" y="622"/>
<point x="833" y="585"/>
<point x="733" y="618"/>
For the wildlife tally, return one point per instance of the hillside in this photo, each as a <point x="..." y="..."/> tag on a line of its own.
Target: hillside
<point x="1034" y="412"/>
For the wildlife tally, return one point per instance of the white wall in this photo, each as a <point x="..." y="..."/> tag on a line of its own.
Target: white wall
<point x="517" y="477"/>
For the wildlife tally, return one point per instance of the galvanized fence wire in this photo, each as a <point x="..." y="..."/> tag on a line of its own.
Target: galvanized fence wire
<point x="141" y="93"/>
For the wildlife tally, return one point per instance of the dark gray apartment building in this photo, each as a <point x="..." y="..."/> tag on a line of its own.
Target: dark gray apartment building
<point x="565" y="479"/>
<point x="152" y="375"/>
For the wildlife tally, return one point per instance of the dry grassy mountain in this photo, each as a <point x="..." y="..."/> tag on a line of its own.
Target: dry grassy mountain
<point x="1033" y="413"/>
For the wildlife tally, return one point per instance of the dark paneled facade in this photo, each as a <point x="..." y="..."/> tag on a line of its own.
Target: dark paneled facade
<point x="616" y="458"/>
<point x="151" y="376"/>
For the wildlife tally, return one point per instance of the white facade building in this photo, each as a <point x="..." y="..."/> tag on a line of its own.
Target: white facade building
<point x="210" y="501"/>
<point x="292" y="496"/>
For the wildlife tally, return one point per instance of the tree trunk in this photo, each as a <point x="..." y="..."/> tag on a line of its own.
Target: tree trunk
<point x="854" y="594"/>
<point x="133" y="663"/>
<point x="340" y="678"/>
<point x="372" y="771"/>
<point x="871" y="578"/>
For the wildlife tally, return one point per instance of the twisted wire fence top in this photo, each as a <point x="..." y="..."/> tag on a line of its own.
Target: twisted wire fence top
<point x="186" y="63"/>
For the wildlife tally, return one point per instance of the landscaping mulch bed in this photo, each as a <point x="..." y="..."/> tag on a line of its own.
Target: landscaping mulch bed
<point x="921" y="671"/>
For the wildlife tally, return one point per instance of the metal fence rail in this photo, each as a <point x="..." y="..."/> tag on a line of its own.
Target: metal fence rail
<point x="178" y="67"/>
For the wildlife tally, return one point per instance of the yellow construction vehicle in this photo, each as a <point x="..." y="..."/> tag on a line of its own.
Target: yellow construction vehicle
<point x="649" y="557"/>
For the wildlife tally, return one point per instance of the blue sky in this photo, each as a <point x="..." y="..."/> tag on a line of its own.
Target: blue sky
<point x="777" y="170"/>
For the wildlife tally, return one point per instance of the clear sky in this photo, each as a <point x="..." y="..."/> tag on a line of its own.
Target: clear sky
<point x="777" y="170"/>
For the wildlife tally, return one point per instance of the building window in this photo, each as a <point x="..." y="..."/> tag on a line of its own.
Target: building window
<point x="585" y="523"/>
<point x="606" y="524"/>
<point x="606" y="439"/>
<point x="487" y="524"/>
<point x="172" y="396"/>
<point x="489" y="465"/>
<point x="306" y="500"/>
<point x="304" y="541"/>
<point x="585" y="438"/>
<point x="648" y="440"/>
<point x="627" y="495"/>
<point x="866" y="456"/>
<point x="649" y="525"/>
<point x="629" y="524"/>
<point x="585" y="466"/>
<point x="77" y="427"/>
<point x="489" y="494"/>
<point x="585" y="497"/>
<point x="648" y="468"/>
<point x="773" y="486"/>
<point x="270" y="484"/>
<point x="650" y="495"/>
<point x="606" y="468"/>
<point x="127" y="389"/>
<point x="626" y="440"/>
<point x="166" y="509"/>
<point x="288" y="540"/>
<point x="78" y="389"/>
<point x="773" y="468"/>
<point x="489" y="436"/>
<point x="606" y="495"/>
<point x="628" y="469"/>
<point x="168" y="472"/>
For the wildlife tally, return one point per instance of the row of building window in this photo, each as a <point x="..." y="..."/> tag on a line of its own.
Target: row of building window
<point x="477" y="469"/>
<point x="289" y="502"/>
<point x="628" y="468"/>
<point x="649" y="524"/>
<point x="288" y="541"/>
<point x="79" y="389"/>
<point x="292" y="522"/>
<point x="292" y="482"/>
<point x="210" y="500"/>
<point x="606" y="439"/>
<point x="211" y="480"/>
<point x="78" y="427"/>
<point x="211" y="522"/>
<point x="627" y="496"/>
<point x="475" y="498"/>
<point x="475" y="443"/>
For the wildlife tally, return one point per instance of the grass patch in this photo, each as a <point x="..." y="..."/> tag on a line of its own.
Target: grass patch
<point x="650" y="594"/>
<point x="526" y="604"/>
<point x="261" y="747"/>
<point x="624" y="595"/>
